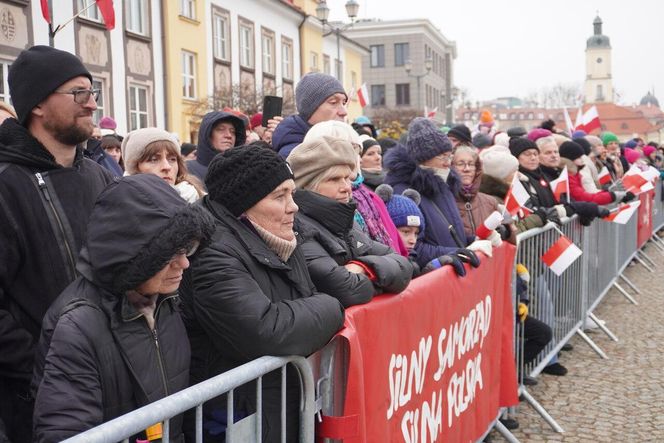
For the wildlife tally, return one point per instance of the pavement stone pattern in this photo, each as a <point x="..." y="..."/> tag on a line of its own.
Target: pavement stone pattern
<point x="615" y="400"/>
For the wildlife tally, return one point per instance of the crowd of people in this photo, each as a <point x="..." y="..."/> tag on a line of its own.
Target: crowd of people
<point x="134" y="266"/>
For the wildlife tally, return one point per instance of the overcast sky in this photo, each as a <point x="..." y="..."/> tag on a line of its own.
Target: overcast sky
<point x="513" y="47"/>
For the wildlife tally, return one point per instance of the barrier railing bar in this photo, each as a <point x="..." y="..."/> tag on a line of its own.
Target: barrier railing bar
<point x="630" y="284"/>
<point x="507" y="435"/>
<point x="592" y="344"/>
<point x="625" y="293"/>
<point x="259" y="407"/>
<point x="166" y="434"/>
<point x="199" y="424"/>
<point x="540" y="410"/>
<point x="602" y="326"/>
<point x="283" y="404"/>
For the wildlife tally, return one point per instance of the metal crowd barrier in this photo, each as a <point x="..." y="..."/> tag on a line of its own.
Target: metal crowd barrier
<point x="247" y="429"/>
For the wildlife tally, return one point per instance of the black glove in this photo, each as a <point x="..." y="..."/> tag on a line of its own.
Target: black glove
<point x="548" y="215"/>
<point x="503" y="231"/>
<point x="587" y="211"/>
<point x="443" y="260"/>
<point x="467" y="256"/>
<point x="603" y="212"/>
<point x="629" y="196"/>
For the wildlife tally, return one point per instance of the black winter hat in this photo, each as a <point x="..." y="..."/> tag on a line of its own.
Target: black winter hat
<point x="571" y="150"/>
<point x="585" y="144"/>
<point x="516" y="131"/>
<point x="520" y="144"/>
<point x="461" y="133"/>
<point x="36" y="73"/>
<point x="242" y="176"/>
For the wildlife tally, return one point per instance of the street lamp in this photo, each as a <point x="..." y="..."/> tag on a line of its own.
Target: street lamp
<point x="408" y="66"/>
<point x="323" y="12"/>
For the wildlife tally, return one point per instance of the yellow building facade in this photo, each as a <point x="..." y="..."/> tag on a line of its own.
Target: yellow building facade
<point x="185" y="67"/>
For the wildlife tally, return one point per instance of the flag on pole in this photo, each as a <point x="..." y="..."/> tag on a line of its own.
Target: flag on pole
<point x="568" y="122"/>
<point x="604" y="176"/>
<point x="561" y="255"/>
<point x="623" y="213"/>
<point x="517" y="196"/>
<point x="108" y="12"/>
<point x="578" y="121"/>
<point x="560" y="185"/>
<point x="590" y="120"/>
<point x="363" y="95"/>
<point x="45" y="13"/>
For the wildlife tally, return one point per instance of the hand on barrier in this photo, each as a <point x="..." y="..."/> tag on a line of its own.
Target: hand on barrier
<point x="603" y="212"/>
<point x="629" y="196"/>
<point x="503" y="231"/>
<point x="522" y="311"/>
<point x="482" y="246"/>
<point x="443" y="260"/>
<point x="495" y="239"/>
<point x="468" y="256"/>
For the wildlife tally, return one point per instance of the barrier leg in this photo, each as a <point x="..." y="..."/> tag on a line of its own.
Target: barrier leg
<point x="592" y="343"/>
<point x="541" y="411"/>
<point x="647" y="258"/>
<point x="630" y="284"/>
<point x="507" y="435"/>
<point x="601" y="325"/>
<point x="659" y="245"/>
<point x="623" y="292"/>
<point x="645" y="265"/>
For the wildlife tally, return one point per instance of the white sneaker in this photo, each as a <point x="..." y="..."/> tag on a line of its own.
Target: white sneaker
<point x="589" y="323"/>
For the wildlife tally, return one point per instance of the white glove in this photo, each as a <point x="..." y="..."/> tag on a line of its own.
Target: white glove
<point x="495" y="239"/>
<point x="483" y="246"/>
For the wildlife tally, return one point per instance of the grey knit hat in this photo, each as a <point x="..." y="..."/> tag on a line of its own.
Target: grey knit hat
<point x="312" y="90"/>
<point x="425" y="140"/>
<point x="134" y="144"/>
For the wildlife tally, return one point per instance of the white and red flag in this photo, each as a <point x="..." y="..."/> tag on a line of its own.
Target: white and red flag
<point x="561" y="255"/>
<point x="623" y="213"/>
<point x="560" y="185"/>
<point x="589" y="120"/>
<point x="568" y="122"/>
<point x="634" y="181"/>
<point x="487" y="227"/>
<point x="604" y="176"/>
<point x="430" y="114"/>
<point x="516" y="197"/>
<point x="363" y="95"/>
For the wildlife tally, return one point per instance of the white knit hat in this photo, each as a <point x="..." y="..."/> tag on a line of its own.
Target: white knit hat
<point x="498" y="163"/>
<point x="134" y="144"/>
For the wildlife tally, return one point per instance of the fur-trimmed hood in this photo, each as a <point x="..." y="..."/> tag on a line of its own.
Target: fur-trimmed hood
<point x="404" y="170"/>
<point x="493" y="186"/>
<point x="137" y="225"/>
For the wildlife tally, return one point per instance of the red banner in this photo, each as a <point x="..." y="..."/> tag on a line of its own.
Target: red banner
<point x="644" y="231"/>
<point x="434" y="363"/>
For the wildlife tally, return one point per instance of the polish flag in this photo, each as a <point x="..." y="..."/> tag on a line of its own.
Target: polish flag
<point x="604" y="176"/>
<point x="561" y="255"/>
<point x="560" y="185"/>
<point x="108" y="12"/>
<point x="363" y="95"/>
<point x="45" y="13"/>
<point x="623" y="213"/>
<point x="492" y="222"/>
<point x="432" y="113"/>
<point x="578" y="122"/>
<point x="590" y="120"/>
<point x="516" y="197"/>
<point x="634" y="181"/>
<point x="568" y="122"/>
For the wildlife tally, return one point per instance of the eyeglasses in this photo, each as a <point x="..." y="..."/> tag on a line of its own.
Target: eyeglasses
<point x="447" y="158"/>
<point x="82" y="96"/>
<point x="464" y="165"/>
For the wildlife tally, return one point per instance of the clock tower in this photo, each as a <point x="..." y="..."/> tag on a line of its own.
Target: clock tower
<point x="598" y="85"/>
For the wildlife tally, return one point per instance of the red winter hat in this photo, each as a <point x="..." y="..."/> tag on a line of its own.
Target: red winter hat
<point x="256" y="120"/>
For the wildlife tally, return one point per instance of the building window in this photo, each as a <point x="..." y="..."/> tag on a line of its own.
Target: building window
<point x="377" y="56"/>
<point x="403" y="94"/>
<point x="91" y="13"/>
<point x="4" y="86"/>
<point x="377" y="95"/>
<point x="267" y="44"/>
<point x="188" y="75"/>
<point x="339" y="71"/>
<point x="137" y="14"/>
<point x="138" y="107"/>
<point x="313" y="61"/>
<point x="327" y="68"/>
<point x="220" y="35"/>
<point x="246" y="45"/>
<point x="286" y="58"/>
<point x="101" y="100"/>
<point x="600" y="93"/>
<point x="188" y="8"/>
<point x="353" y="82"/>
<point x="401" y="53"/>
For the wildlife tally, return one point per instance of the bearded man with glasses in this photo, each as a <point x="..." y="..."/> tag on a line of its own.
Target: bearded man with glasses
<point x="47" y="192"/>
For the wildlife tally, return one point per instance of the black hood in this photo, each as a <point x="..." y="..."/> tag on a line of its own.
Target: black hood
<point x="337" y="217"/>
<point x="204" y="151"/>
<point x="19" y="147"/>
<point x="137" y="225"/>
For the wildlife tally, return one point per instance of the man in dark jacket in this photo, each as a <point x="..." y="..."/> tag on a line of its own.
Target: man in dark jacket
<point x="249" y="293"/>
<point x="219" y="132"/>
<point x="117" y="327"/>
<point x="319" y="97"/>
<point x="47" y="190"/>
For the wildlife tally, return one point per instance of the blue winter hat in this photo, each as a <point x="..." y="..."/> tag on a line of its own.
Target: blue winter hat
<point x="579" y="133"/>
<point x="425" y="140"/>
<point x="312" y="90"/>
<point x="403" y="209"/>
<point x="363" y="120"/>
<point x="631" y="144"/>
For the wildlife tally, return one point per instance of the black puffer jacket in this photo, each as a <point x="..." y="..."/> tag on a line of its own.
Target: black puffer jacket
<point x="243" y="302"/>
<point x="329" y="241"/>
<point x="99" y="356"/>
<point x="44" y="210"/>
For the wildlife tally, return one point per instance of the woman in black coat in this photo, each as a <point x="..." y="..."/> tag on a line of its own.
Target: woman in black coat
<point x="114" y="340"/>
<point x="342" y="260"/>
<point x="249" y="293"/>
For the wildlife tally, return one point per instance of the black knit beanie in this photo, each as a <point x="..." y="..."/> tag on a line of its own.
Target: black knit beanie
<point x="571" y="150"/>
<point x="242" y="176"/>
<point x="461" y="133"/>
<point x="366" y="144"/>
<point x="585" y="144"/>
<point x="36" y="73"/>
<point x="520" y="144"/>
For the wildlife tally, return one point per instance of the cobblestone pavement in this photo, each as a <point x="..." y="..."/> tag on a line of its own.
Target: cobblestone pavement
<point x="615" y="400"/>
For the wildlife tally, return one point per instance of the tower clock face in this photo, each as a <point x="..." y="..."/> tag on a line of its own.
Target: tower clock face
<point x="599" y="59"/>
